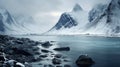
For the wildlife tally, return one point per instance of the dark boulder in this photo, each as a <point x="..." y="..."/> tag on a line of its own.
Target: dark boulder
<point x="46" y="44"/>
<point x="84" y="61"/>
<point x="62" y="49"/>
<point x="43" y="56"/>
<point x="45" y="51"/>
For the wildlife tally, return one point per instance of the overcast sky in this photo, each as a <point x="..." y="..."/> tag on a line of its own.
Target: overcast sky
<point x="45" y="12"/>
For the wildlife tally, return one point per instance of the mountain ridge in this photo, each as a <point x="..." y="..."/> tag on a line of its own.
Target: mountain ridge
<point x="102" y="19"/>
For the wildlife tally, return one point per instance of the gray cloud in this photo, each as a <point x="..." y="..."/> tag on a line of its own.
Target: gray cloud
<point x="31" y="7"/>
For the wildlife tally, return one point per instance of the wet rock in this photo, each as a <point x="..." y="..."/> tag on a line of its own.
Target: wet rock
<point x="84" y="61"/>
<point x="2" y="58"/>
<point x="49" y="65"/>
<point x="13" y="63"/>
<point x="37" y="53"/>
<point x="65" y="60"/>
<point x="58" y="66"/>
<point x="21" y="51"/>
<point x="45" y="51"/>
<point x="67" y="65"/>
<point x="46" y="44"/>
<point x="58" y="56"/>
<point x="43" y="56"/>
<point x="56" y="61"/>
<point x="35" y="48"/>
<point x="62" y="49"/>
<point x="18" y="42"/>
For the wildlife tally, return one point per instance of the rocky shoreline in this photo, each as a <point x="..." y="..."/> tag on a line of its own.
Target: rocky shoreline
<point x="26" y="51"/>
<point x="23" y="52"/>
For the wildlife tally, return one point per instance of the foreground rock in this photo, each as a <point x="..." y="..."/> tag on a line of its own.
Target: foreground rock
<point x="62" y="49"/>
<point x="46" y="44"/>
<point x="23" y="52"/>
<point x="12" y="63"/>
<point x="19" y="49"/>
<point x="84" y="61"/>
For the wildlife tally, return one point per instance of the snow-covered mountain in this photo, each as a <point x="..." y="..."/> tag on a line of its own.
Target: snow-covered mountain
<point x="70" y="22"/>
<point x="102" y="19"/>
<point x="105" y="19"/>
<point x="12" y="25"/>
<point x="6" y="21"/>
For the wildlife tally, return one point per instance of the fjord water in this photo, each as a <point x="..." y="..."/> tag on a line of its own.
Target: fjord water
<point x="105" y="51"/>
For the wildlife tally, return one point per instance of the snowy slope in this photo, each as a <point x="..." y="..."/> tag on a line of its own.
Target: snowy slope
<point x="102" y="19"/>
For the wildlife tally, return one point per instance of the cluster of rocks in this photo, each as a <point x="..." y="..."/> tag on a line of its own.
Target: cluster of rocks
<point x="56" y="60"/>
<point x="18" y="49"/>
<point x="24" y="50"/>
<point x="21" y="52"/>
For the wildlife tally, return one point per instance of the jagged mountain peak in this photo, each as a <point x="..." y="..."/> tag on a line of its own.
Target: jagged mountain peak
<point x="4" y="11"/>
<point x="77" y="7"/>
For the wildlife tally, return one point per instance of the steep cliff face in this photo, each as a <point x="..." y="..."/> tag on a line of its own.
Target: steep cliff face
<point x="65" y="21"/>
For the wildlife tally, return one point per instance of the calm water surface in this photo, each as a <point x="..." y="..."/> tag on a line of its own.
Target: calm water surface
<point x="105" y="51"/>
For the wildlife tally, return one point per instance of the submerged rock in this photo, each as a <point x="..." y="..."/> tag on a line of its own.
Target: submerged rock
<point x="62" y="49"/>
<point x="66" y="65"/>
<point x="56" y="61"/>
<point x="84" y="61"/>
<point x="58" y="55"/>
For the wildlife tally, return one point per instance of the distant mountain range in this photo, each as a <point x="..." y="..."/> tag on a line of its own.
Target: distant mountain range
<point x="102" y="19"/>
<point x="11" y="25"/>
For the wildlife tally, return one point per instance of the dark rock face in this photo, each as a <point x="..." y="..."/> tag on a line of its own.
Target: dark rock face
<point x="96" y="12"/>
<point x="65" y="21"/>
<point x="84" y="61"/>
<point x="62" y="49"/>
